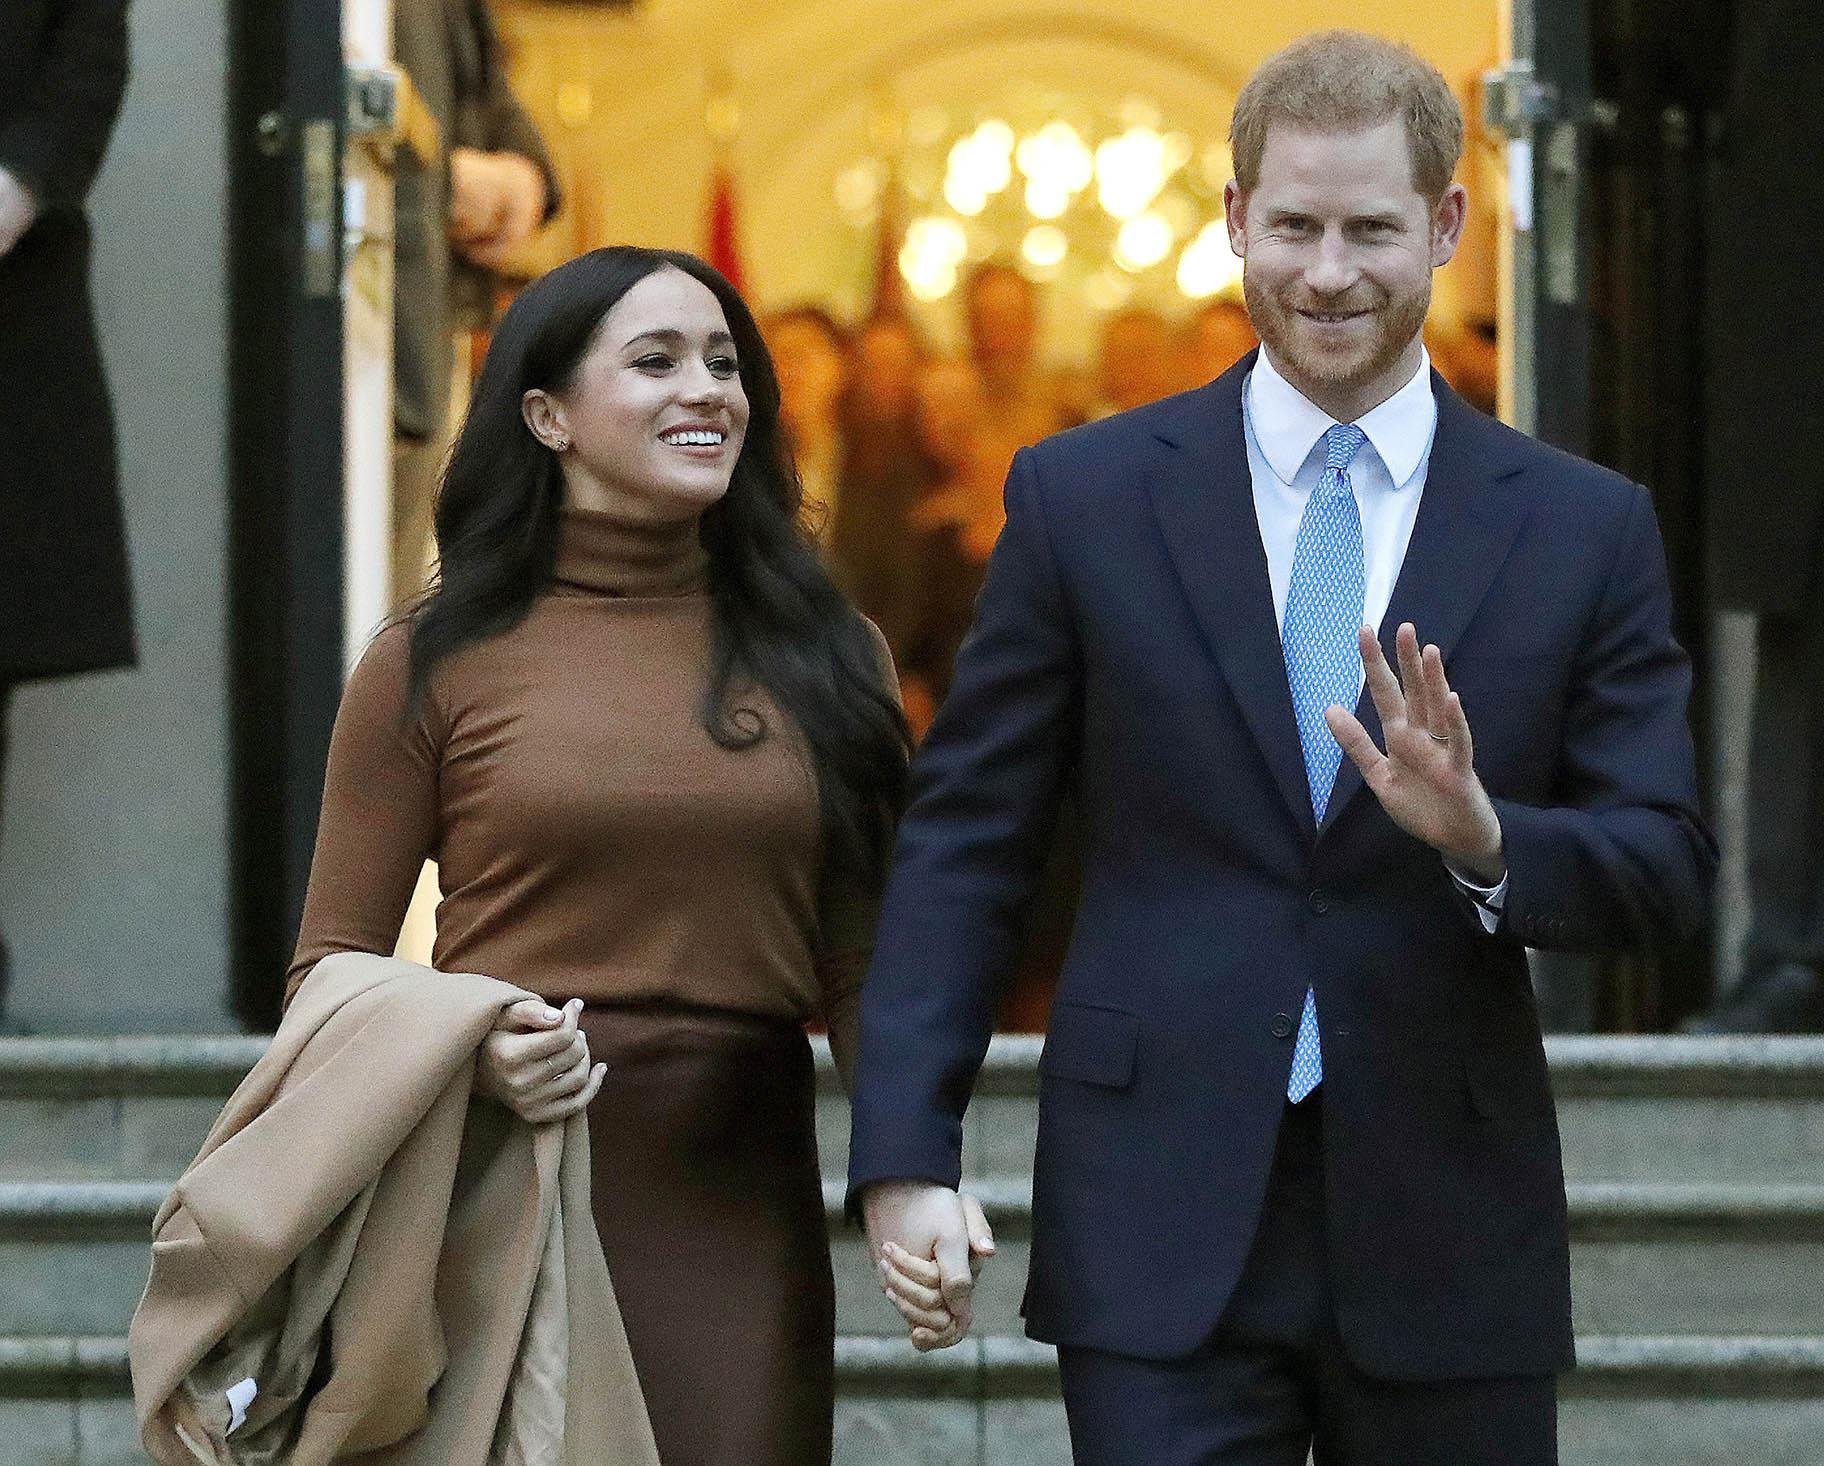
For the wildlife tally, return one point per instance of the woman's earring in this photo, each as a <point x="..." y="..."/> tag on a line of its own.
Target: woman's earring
<point x="560" y="445"/>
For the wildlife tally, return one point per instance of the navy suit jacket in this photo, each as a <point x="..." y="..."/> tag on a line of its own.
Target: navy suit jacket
<point x="1125" y="642"/>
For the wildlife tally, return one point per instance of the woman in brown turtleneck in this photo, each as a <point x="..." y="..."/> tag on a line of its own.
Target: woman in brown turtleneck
<point x="657" y="759"/>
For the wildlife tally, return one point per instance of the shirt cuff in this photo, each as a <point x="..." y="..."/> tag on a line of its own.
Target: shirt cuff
<point x="1490" y="900"/>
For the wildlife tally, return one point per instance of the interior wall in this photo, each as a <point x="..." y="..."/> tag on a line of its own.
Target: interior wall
<point x="113" y="867"/>
<point x="621" y="94"/>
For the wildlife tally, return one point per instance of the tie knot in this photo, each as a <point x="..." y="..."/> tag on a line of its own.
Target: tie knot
<point x="1341" y="444"/>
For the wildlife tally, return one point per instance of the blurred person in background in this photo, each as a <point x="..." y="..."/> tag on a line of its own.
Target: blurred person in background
<point x="885" y="472"/>
<point x="810" y="352"/>
<point x="65" y="591"/>
<point x="1001" y="315"/>
<point x="1217" y="335"/>
<point x="1135" y="362"/>
<point x="455" y="223"/>
<point x="1765" y="520"/>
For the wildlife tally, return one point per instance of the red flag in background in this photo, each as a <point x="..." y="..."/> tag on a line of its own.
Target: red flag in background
<point x="724" y="246"/>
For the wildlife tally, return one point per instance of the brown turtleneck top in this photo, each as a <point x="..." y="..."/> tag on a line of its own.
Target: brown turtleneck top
<point x="592" y="840"/>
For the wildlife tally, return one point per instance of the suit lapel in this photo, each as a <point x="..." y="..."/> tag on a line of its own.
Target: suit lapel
<point x="1203" y="498"/>
<point x="1465" y="527"/>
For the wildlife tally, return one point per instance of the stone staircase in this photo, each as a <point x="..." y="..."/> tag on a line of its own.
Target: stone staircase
<point x="1695" y="1170"/>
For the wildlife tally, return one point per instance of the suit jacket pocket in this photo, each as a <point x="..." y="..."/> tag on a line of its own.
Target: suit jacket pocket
<point x="1507" y="1081"/>
<point x="1091" y="1045"/>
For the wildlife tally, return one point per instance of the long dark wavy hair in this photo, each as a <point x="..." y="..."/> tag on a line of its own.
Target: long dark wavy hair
<point x="779" y="622"/>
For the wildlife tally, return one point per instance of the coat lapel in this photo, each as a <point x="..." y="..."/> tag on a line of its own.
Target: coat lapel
<point x="1465" y="527"/>
<point x="1203" y="498"/>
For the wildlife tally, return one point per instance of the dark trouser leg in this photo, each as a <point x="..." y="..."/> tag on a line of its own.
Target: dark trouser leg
<point x="1249" y="1397"/>
<point x="1457" y="1422"/>
<point x="1786" y="799"/>
<point x="1274" y="1382"/>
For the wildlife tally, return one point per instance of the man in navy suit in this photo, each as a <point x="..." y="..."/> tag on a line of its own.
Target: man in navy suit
<point x="1298" y="1182"/>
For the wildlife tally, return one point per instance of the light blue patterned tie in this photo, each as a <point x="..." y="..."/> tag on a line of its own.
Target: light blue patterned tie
<point x="1323" y="661"/>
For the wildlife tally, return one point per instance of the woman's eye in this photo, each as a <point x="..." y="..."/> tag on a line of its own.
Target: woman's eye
<point x="724" y="366"/>
<point x="653" y="363"/>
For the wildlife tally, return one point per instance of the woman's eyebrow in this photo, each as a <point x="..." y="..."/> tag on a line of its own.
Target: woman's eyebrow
<point x="673" y="337"/>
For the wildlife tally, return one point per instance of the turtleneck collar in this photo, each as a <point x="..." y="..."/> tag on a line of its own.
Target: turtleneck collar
<point x="603" y="555"/>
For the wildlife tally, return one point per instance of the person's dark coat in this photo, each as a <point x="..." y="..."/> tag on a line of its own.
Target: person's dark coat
<point x="1766" y="320"/>
<point x="65" y="597"/>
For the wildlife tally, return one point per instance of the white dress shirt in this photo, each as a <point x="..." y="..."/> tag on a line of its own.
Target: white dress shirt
<point x="1286" y="457"/>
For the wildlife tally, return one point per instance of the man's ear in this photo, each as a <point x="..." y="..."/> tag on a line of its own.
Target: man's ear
<point x="1447" y="220"/>
<point x="1235" y="215"/>
<point x="544" y="415"/>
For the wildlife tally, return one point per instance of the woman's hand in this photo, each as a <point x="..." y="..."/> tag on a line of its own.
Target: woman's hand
<point x="536" y="1062"/>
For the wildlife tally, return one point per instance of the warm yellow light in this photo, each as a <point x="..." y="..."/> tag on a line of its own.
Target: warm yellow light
<point x="996" y="136"/>
<point x="1208" y="266"/>
<point x="1130" y="171"/>
<point x="1044" y="246"/>
<point x="858" y="188"/>
<point x="1057" y="157"/>
<point x="1045" y="200"/>
<point x="933" y="248"/>
<point x="965" y="199"/>
<point x="1143" y="242"/>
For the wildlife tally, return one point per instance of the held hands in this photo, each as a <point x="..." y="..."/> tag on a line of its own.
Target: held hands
<point x="497" y="201"/>
<point x="929" y="1244"/>
<point x="1426" y="780"/>
<point x="536" y="1062"/>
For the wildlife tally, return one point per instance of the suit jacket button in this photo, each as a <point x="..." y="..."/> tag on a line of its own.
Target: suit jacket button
<point x="1282" y="1025"/>
<point x="1319" y="900"/>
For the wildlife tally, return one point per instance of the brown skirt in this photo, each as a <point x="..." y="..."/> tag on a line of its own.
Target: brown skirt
<point x="709" y="1202"/>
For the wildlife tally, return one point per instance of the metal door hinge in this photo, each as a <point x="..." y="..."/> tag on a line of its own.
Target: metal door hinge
<point x="1515" y="101"/>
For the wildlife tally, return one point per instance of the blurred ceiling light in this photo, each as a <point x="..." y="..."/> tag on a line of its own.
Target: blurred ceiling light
<point x="966" y="200"/>
<point x="929" y="257"/>
<point x="997" y="135"/>
<point x="1044" y="200"/>
<point x="1143" y="242"/>
<point x="1057" y="157"/>
<point x="1130" y="171"/>
<point x="1208" y="266"/>
<point x="1044" y="246"/>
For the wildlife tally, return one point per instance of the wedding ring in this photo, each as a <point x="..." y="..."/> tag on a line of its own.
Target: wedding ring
<point x="1437" y="737"/>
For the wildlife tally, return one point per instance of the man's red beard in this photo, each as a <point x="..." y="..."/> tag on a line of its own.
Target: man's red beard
<point x="1393" y="323"/>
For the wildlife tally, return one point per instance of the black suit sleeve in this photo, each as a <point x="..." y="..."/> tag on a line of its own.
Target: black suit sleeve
<point x="1622" y="858"/>
<point x="986" y="787"/>
<point x="54" y="145"/>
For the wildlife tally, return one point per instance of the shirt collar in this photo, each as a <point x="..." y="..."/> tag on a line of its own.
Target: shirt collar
<point x="1287" y="424"/>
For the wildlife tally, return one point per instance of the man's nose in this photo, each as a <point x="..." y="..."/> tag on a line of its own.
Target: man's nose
<point x="1334" y="268"/>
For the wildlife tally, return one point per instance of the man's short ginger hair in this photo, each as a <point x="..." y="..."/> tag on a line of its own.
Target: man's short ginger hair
<point x="1344" y="81"/>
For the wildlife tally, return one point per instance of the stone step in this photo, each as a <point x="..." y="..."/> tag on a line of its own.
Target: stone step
<point x="993" y="1401"/>
<point x="1646" y="1259"/>
<point x="1739" y="1110"/>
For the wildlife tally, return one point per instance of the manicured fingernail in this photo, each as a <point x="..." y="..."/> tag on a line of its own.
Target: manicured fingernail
<point x="553" y="1016"/>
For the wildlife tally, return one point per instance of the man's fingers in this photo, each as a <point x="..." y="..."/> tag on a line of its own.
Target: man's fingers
<point x="1412" y="674"/>
<point x="1383" y="686"/>
<point x="1347" y="730"/>
<point x="1462" y="745"/>
<point x="958" y="1281"/>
